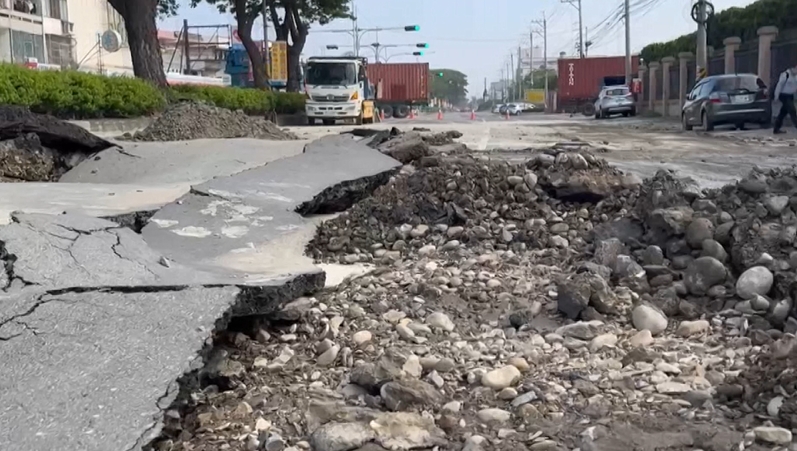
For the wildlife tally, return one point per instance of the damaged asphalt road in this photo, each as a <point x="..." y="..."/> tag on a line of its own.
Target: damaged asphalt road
<point x="97" y="322"/>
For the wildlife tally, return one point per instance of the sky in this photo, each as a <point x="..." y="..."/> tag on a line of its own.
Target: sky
<point x="476" y="37"/>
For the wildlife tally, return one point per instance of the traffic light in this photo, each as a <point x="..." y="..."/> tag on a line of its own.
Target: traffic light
<point x="440" y="74"/>
<point x="332" y="47"/>
<point x="417" y="53"/>
<point x="412" y="28"/>
<point x="422" y="45"/>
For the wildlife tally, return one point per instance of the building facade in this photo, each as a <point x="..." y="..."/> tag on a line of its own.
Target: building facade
<point x="63" y="33"/>
<point x="91" y="19"/>
<point x="39" y="29"/>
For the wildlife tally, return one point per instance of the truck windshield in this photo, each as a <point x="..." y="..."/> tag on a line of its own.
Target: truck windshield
<point x="331" y="73"/>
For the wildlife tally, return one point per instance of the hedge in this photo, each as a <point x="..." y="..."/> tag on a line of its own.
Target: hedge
<point x="80" y="95"/>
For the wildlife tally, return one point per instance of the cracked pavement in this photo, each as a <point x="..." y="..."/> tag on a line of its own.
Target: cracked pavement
<point x="98" y="322"/>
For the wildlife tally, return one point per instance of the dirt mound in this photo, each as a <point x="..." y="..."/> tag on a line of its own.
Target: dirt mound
<point x="457" y="201"/>
<point x="194" y="120"/>
<point x="41" y="148"/>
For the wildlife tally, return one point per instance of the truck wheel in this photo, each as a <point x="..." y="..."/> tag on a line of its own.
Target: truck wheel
<point x="388" y="111"/>
<point x="310" y="121"/>
<point x="401" y="112"/>
<point x="358" y="120"/>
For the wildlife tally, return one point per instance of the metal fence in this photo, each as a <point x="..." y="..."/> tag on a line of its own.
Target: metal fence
<point x="784" y="55"/>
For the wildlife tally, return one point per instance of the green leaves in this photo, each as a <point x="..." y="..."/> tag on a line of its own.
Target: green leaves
<point x="448" y="84"/>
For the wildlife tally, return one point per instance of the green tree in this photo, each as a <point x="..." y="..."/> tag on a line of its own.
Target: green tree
<point x="295" y="23"/>
<point x="245" y="12"/>
<point x="539" y="79"/>
<point x="448" y="84"/>
<point x="140" y="18"/>
<point x="742" y="22"/>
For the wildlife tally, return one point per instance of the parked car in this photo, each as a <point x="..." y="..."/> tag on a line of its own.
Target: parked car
<point x="615" y="100"/>
<point x="514" y="109"/>
<point x="736" y="99"/>
<point x="497" y="108"/>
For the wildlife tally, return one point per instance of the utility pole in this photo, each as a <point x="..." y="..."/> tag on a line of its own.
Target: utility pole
<point x="544" y="24"/>
<point x="519" y="74"/>
<point x="702" y="51"/>
<point x="531" y="56"/>
<point x="627" y="14"/>
<point x="577" y="4"/>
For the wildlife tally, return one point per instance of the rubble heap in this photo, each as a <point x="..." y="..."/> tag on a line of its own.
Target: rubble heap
<point x="449" y="203"/>
<point x="41" y="148"/>
<point x="196" y="120"/>
<point x="552" y="305"/>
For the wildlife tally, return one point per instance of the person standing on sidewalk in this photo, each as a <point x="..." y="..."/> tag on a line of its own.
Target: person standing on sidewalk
<point x="784" y="92"/>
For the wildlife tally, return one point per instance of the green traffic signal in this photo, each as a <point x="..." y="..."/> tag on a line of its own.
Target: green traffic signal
<point x="412" y="28"/>
<point x="422" y="45"/>
<point x="439" y="74"/>
<point x="417" y="53"/>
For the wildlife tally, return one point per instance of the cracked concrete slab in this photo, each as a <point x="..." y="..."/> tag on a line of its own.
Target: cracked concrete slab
<point x="249" y="222"/>
<point x="84" y="198"/>
<point x="98" y="322"/>
<point x="66" y="251"/>
<point x="93" y="371"/>
<point x="179" y="161"/>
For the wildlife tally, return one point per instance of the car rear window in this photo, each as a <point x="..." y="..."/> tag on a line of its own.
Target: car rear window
<point x="748" y="82"/>
<point x="617" y="92"/>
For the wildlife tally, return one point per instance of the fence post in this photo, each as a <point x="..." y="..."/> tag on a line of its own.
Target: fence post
<point x="765" y="37"/>
<point x="640" y="100"/>
<point x="666" y="63"/>
<point x="653" y="67"/>
<point x="731" y="46"/>
<point x="683" y="76"/>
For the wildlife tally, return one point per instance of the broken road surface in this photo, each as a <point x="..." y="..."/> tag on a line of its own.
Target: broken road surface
<point x="97" y="325"/>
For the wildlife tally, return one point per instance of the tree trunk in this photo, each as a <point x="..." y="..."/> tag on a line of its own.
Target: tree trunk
<point x="245" y="24"/>
<point x="142" y="36"/>
<point x="298" y="32"/>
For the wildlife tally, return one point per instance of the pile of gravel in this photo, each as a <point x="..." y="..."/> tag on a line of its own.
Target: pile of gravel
<point x="195" y="120"/>
<point x="457" y="201"/>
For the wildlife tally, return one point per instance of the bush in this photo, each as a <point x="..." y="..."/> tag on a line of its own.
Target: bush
<point x="80" y="95"/>
<point x="251" y="101"/>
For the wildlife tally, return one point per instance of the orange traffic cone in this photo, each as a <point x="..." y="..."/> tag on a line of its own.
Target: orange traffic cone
<point x="439" y="115"/>
<point x="381" y="115"/>
<point x="506" y="116"/>
<point x="472" y="115"/>
<point x="412" y="113"/>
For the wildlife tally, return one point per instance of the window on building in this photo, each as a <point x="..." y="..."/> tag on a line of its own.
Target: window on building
<point x="27" y="6"/>
<point x="26" y="45"/>
<point x="60" y="51"/>
<point x="56" y="9"/>
<point x="115" y="22"/>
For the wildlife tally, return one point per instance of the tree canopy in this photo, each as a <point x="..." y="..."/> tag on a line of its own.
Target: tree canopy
<point x="448" y="84"/>
<point x="741" y="22"/>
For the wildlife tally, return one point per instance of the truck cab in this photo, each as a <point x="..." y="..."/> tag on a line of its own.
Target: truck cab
<point x="337" y="88"/>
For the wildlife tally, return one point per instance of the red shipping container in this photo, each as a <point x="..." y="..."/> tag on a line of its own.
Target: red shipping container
<point x="582" y="78"/>
<point x="401" y="82"/>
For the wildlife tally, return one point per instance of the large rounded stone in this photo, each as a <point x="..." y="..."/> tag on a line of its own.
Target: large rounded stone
<point x="647" y="317"/>
<point x="704" y="273"/>
<point x="698" y="230"/>
<point x="501" y="378"/>
<point x="756" y="281"/>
